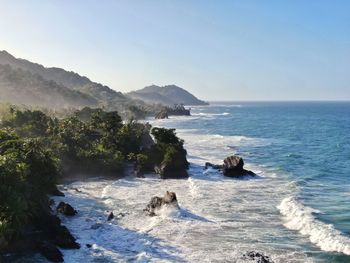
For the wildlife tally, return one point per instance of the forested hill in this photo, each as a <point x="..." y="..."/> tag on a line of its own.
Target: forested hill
<point x="68" y="79"/>
<point x="25" y="82"/>
<point x="166" y="95"/>
<point x="18" y="86"/>
<point x="32" y="84"/>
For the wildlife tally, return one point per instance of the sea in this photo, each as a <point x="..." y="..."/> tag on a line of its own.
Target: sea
<point x="297" y="208"/>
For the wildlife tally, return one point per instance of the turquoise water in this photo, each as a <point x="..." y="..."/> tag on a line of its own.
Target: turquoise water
<point x="309" y="145"/>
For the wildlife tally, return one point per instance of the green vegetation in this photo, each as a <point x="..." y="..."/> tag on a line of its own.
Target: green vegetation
<point x="167" y="156"/>
<point x="36" y="150"/>
<point x="28" y="172"/>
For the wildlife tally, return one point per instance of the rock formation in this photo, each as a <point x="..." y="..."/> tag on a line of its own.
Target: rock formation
<point x="157" y="202"/>
<point x="232" y="167"/>
<point x="66" y="209"/>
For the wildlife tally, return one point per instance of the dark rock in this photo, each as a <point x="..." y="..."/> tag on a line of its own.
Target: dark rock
<point x="214" y="166"/>
<point x="157" y="202"/>
<point x="56" y="192"/>
<point x="42" y="235"/>
<point x="110" y="216"/>
<point x="56" y="233"/>
<point x="162" y="115"/>
<point x="168" y="171"/>
<point x="66" y="209"/>
<point x="233" y="167"/>
<point x="51" y="252"/>
<point x="233" y="162"/>
<point x="178" y="110"/>
<point x="64" y="238"/>
<point x="257" y="257"/>
<point x="88" y="245"/>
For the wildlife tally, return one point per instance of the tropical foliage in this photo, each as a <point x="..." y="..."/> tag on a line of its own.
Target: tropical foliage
<point x="36" y="149"/>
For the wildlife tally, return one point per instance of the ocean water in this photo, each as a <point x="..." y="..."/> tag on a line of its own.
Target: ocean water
<point x="296" y="210"/>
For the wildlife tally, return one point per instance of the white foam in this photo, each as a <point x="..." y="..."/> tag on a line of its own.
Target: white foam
<point x="301" y="218"/>
<point x="209" y="114"/>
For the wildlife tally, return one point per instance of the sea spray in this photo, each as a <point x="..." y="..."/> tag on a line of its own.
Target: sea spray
<point x="301" y="218"/>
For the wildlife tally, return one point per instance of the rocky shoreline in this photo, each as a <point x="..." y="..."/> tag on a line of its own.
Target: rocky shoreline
<point x="47" y="235"/>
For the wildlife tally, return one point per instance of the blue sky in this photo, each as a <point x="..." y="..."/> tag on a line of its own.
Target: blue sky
<point x="219" y="50"/>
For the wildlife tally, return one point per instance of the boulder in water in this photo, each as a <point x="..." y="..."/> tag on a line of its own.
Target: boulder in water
<point x="157" y="202"/>
<point x="257" y="257"/>
<point x="110" y="216"/>
<point x="233" y="167"/>
<point x="66" y="209"/>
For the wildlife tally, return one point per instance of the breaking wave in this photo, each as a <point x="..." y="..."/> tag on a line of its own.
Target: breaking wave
<point x="301" y="218"/>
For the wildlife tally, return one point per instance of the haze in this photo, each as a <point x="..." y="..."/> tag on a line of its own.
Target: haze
<point x="218" y="50"/>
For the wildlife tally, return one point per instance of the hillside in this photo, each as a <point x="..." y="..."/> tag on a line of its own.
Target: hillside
<point x="25" y="82"/>
<point x="166" y="95"/>
<point x="71" y="80"/>
<point x="22" y="87"/>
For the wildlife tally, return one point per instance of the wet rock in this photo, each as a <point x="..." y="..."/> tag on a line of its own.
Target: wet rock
<point x="214" y="166"/>
<point x="110" y="216"/>
<point x="51" y="252"/>
<point x="56" y="233"/>
<point x="88" y="245"/>
<point x="66" y="209"/>
<point x="257" y="257"/>
<point x="233" y="167"/>
<point x="171" y="171"/>
<point x="64" y="238"/>
<point x="157" y="202"/>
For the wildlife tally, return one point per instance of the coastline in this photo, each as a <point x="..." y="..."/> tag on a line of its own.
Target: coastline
<point x="241" y="215"/>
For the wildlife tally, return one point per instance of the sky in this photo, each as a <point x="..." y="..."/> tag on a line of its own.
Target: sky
<point x="218" y="50"/>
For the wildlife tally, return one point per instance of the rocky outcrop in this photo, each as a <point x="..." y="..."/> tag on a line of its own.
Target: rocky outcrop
<point x="42" y="236"/>
<point x="178" y="110"/>
<point x="171" y="171"/>
<point x="56" y="233"/>
<point x="157" y="202"/>
<point x="110" y="216"/>
<point x="50" y="251"/>
<point x="162" y="115"/>
<point x="233" y="167"/>
<point x="257" y="257"/>
<point x="66" y="209"/>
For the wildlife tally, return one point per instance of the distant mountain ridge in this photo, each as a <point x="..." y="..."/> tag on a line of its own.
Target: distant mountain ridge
<point x="32" y="84"/>
<point x="69" y="79"/>
<point x="166" y="95"/>
<point x="19" y="86"/>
